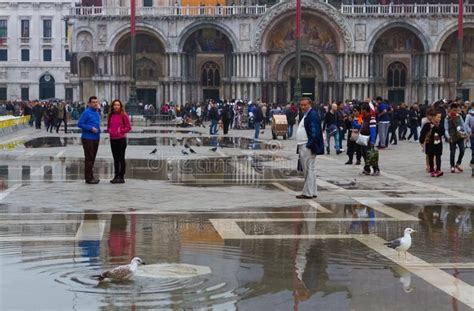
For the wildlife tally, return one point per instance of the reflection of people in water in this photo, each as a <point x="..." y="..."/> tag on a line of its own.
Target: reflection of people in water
<point x="119" y="239"/>
<point x="89" y="234"/>
<point x="363" y="219"/>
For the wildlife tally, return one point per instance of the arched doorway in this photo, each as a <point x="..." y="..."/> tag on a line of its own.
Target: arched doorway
<point x="86" y="72"/>
<point x="150" y="65"/>
<point x="396" y="82"/>
<point x="311" y="74"/>
<point x="47" y="87"/>
<point x="448" y="63"/>
<point x="398" y="65"/>
<point x="208" y="64"/>
<point x="210" y="80"/>
<point x="321" y="42"/>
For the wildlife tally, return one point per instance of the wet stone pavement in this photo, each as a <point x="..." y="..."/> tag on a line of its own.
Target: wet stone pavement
<point x="221" y="229"/>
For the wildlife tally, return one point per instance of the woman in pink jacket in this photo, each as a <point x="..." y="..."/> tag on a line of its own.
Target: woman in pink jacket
<point x="118" y="126"/>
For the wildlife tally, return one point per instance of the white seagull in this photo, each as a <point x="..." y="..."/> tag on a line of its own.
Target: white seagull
<point x="402" y="244"/>
<point x="123" y="272"/>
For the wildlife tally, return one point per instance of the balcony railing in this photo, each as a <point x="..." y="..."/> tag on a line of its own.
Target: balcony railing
<point x="171" y="11"/>
<point x="25" y="40"/>
<point x="383" y="10"/>
<point x="47" y="40"/>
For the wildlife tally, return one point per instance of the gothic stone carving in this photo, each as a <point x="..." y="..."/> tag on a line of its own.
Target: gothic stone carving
<point x="284" y="7"/>
<point x="102" y="33"/>
<point x="244" y="32"/>
<point x="360" y="32"/>
<point x="84" y="42"/>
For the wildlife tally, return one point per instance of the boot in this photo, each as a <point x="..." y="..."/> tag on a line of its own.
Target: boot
<point x="115" y="180"/>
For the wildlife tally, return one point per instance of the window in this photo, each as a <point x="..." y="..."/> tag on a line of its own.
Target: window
<point x="25" y="55"/>
<point x="210" y="74"/>
<point x="3" y="93"/>
<point x="396" y="75"/>
<point x="25" y="28"/>
<point x="47" y="31"/>
<point x="3" y="55"/>
<point x="148" y="3"/>
<point x="67" y="55"/>
<point x="25" y="93"/>
<point x="3" y="28"/>
<point x="68" y="95"/>
<point x="47" y="55"/>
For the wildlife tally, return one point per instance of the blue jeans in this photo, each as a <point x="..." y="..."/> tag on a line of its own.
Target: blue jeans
<point x="213" y="128"/>
<point x="290" y="131"/>
<point x="336" y="140"/>
<point x="383" y="132"/>
<point x="452" y="153"/>
<point x="257" y="129"/>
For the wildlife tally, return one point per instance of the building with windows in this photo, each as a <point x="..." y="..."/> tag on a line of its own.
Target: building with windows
<point x="190" y="50"/>
<point x="34" y="50"/>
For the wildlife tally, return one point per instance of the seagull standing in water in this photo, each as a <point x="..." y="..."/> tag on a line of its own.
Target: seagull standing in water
<point x="121" y="273"/>
<point x="402" y="244"/>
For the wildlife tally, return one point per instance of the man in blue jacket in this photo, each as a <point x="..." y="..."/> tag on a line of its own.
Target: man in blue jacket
<point x="310" y="142"/>
<point x="89" y="123"/>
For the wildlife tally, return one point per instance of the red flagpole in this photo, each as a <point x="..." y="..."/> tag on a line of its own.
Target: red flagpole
<point x="298" y="18"/>
<point x="459" y="81"/>
<point x="132" y="17"/>
<point x="460" y="19"/>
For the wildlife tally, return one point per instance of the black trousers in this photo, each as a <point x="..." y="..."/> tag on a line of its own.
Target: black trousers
<point x="402" y="131"/>
<point x="353" y="147"/>
<point x="90" y="147"/>
<point x="58" y="124"/>
<point x="431" y="162"/>
<point x="392" y="133"/>
<point x="226" y="126"/>
<point x="118" y="151"/>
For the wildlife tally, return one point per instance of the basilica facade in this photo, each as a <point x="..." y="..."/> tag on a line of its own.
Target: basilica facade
<point x="189" y="53"/>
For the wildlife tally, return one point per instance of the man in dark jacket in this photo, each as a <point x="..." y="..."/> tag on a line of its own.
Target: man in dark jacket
<point x="310" y="142"/>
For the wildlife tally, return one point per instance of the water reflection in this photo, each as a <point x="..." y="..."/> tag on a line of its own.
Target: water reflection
<point x="212" y="141"/>
<point x="296" y="274"/>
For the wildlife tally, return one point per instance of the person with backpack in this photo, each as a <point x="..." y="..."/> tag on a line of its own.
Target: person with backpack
<point x="456" y="133"/>
<point x="469" y="126"/>
<point x="118" y="125"/>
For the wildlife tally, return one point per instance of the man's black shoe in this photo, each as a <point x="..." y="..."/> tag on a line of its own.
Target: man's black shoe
<point x="116" y="180"/>
<point x="93" y="181"/>
<point x="302" y="196"/>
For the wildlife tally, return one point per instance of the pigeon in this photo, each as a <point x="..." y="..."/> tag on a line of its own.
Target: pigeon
<point x="402" y="244"/>
<point x="186" y="146"/>
<point x="121" y="273"/>
<point x="184" y="152"/>
<point x="214" y="149"/>
<point x="154" y="151"/>
<point x="191" y="150"/>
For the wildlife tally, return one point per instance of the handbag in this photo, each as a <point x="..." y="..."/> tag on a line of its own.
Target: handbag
<point x="354" y="135"/>
<point x="363" y="140"/>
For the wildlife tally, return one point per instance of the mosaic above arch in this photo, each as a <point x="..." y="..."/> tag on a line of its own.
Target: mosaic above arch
<point x="398" y="40"/>
<point x="267" y="22"/>
<point x="315" y="35"/>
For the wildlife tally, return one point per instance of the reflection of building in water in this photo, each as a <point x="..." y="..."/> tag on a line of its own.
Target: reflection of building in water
<point x="188" y="52"/>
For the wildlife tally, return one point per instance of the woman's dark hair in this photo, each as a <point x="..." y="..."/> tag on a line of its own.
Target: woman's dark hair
<point x="111" y="108"/>
<point x="365" y="107"/>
